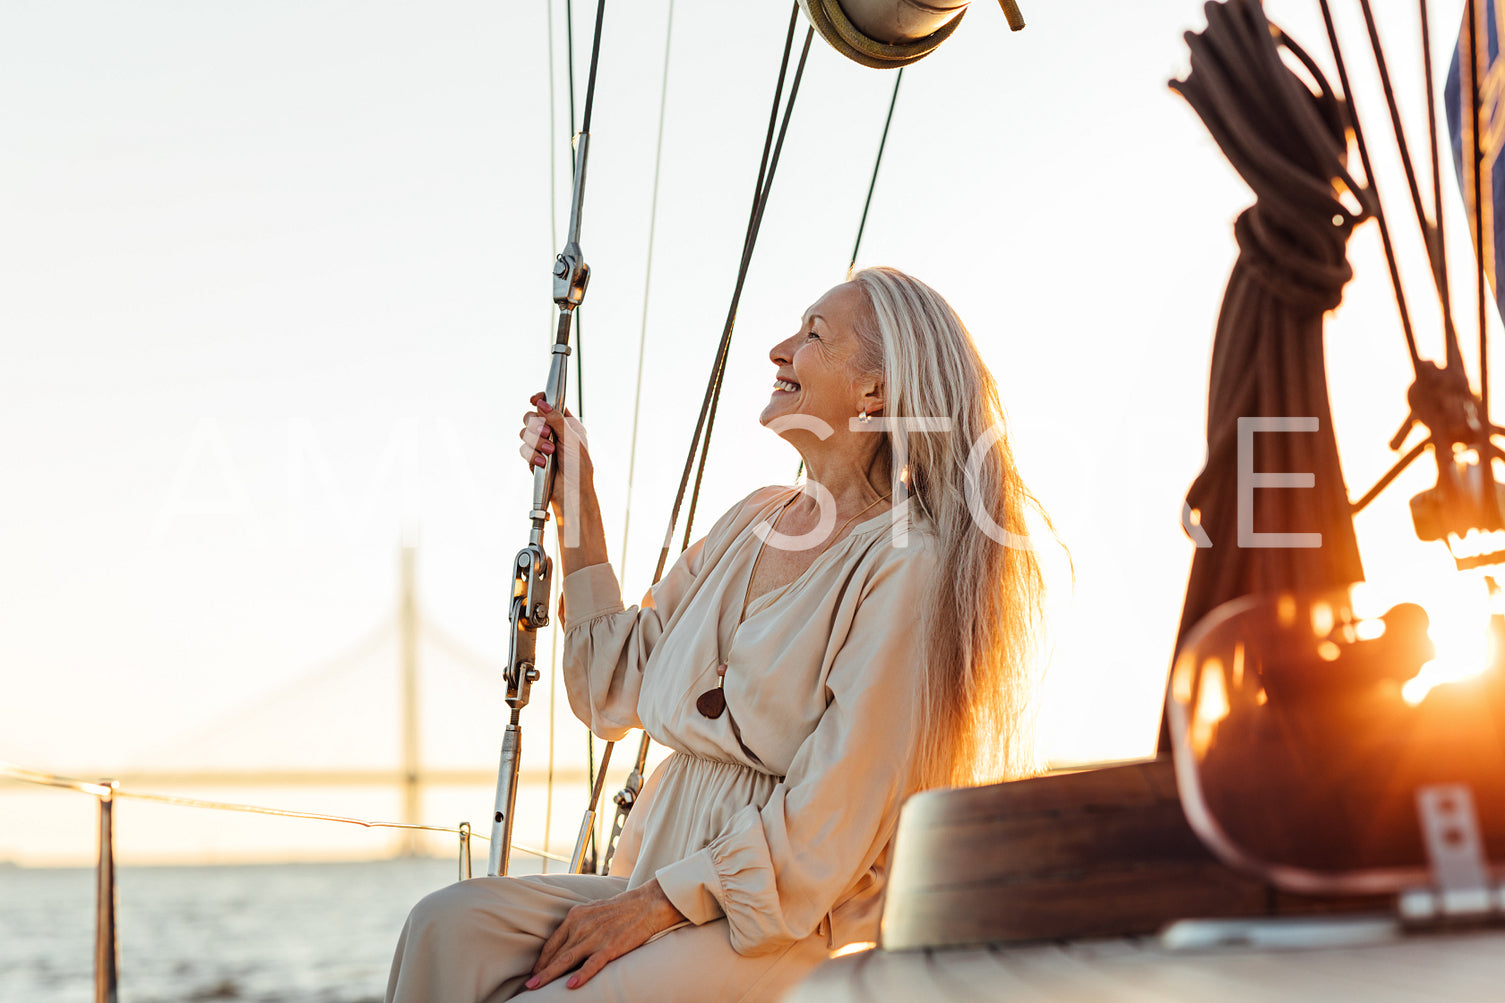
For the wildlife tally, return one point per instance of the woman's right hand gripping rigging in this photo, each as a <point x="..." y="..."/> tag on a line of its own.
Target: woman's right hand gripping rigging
<point x="548" y="431"/>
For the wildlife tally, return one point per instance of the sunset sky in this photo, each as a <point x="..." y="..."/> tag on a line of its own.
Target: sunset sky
<point x="274" y="291"/>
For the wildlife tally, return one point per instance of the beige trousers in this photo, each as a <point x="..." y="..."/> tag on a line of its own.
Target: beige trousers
<point x="477" y="940"/>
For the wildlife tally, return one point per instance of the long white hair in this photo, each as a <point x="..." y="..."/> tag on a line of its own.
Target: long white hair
<point x="984" y="611"/>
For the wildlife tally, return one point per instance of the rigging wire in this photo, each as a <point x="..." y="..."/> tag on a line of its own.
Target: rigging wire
<point x="548" y="807"/>
<point x="767" y="166"/>
<point x="590" y="84"/>
<point x="548" y="797"/>
<point x="553" y="163"/>
<point x="1438" y="233"/>
<point x="867" y="204"/>
<point x="1450" y="337"/>
<point x="877" y="162"/>
<point x="590" y="100"/>
<point x="1376" y="207"/>
<point x="637" y="400"/>
<point x="1432" y="233"/>
<point x="585" y="127"/>
<point x="569" y="45"/>
<point x="712" y="398"/>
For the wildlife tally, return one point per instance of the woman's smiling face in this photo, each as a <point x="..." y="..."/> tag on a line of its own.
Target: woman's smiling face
<point x="817" y="371"/>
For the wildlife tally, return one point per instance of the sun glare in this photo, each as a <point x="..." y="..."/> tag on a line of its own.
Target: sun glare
<point x="1459" y="608"/>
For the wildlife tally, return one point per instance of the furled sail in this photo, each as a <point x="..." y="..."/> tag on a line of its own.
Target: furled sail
<point x="1475" y="84"/>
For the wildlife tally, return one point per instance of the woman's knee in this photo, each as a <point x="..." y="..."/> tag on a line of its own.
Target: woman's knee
<point x="452" y="907"/>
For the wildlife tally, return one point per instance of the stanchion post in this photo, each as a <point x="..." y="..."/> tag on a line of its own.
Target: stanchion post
<point x="105" y="951"/>
<point x="464" y="850"/>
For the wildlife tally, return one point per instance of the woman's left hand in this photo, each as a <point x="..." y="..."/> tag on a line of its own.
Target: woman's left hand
<point x="594" y="933"/>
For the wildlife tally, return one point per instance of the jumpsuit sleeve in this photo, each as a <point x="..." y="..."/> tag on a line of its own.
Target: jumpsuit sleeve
<point x="775" y="872"/>
<point x="607" y="644"/>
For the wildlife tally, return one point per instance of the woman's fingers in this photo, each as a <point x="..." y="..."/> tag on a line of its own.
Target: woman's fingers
<point x="536" y="435"/>
<point x="593" y="964"/>
<point x="589" y="937"/>
<point x="554" y="432"/>
<point x="593" y="934"/>
<point x="561" y="952"/>
<point x="585" y="957"/>
<point x="557" y="939"/>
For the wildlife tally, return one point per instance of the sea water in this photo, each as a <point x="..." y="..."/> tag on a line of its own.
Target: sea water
<point x="270" y="933"/>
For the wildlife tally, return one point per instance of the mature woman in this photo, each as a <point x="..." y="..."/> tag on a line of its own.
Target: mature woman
<point x="824" y="651"/>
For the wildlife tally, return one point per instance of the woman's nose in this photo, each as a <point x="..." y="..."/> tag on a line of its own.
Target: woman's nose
<point x="780" y="353"/>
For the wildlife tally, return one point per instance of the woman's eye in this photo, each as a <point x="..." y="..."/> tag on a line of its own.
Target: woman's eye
<point x="812" y="334"/>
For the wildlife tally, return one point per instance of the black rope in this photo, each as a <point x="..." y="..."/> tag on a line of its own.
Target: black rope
<point x="877" y="162"/>
<point x="747" y="251"/>
<point x="759" y="197"/>
<point x="1377" y="207"/>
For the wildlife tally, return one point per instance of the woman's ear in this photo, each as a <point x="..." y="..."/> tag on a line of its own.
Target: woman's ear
<point x="873" y="398"/>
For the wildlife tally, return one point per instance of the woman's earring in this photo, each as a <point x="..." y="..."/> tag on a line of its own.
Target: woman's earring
<point x="862" y="417"/>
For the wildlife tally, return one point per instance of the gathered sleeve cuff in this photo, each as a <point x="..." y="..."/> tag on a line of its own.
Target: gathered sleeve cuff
<point x="591" y="592"/>
<point x="687" y="884"/>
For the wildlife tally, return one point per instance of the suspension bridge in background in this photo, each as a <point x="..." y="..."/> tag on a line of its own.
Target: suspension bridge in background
<point x="410" y="633"/>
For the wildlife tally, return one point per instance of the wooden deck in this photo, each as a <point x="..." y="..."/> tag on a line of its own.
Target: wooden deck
<point x="1438" y="968"/>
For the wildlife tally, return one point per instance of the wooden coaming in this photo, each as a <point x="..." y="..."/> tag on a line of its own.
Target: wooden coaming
<point x="1097" y="853"/>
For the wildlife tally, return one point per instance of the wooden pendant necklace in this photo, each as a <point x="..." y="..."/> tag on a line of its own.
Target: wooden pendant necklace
<point x="712" y="703"/>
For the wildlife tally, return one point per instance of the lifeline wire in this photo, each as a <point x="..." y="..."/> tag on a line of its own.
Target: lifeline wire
<point x="108" y="790"/>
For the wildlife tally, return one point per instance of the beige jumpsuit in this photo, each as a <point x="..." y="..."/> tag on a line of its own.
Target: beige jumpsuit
<point x="767" y="827"/>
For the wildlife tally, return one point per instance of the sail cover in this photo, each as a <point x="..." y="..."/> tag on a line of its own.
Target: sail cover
<point x="1483" y="76"/>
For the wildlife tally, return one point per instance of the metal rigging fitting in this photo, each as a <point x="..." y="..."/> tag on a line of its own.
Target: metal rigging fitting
<point x="532" y="570"/>
<point x="1466" y="496"/>
<point x="571" y="273"/>
<point x="624" y="800"/>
